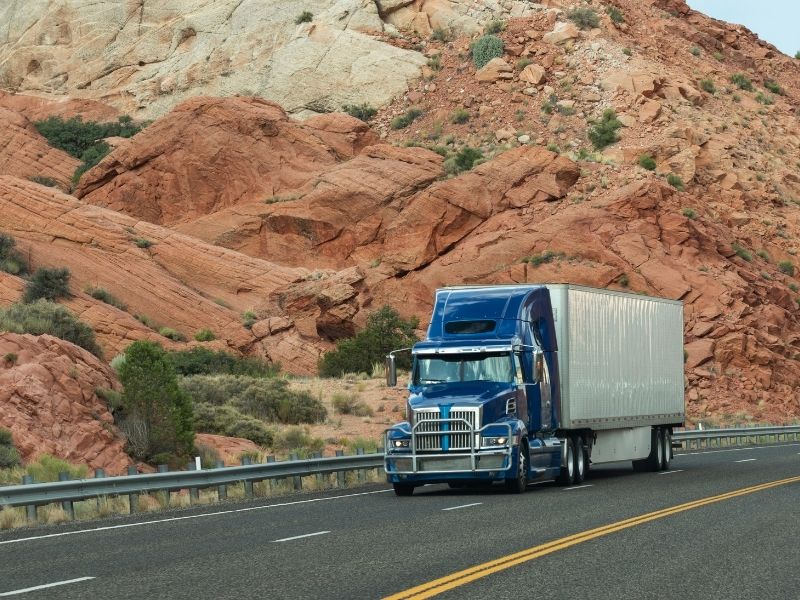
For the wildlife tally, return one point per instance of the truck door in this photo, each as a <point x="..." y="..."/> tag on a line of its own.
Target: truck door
<point x="542" y="375"/>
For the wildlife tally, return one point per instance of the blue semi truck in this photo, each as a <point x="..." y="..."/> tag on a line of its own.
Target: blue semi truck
<point x="518" y="383"/>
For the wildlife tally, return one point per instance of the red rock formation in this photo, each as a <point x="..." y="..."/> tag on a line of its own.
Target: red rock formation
<point x="230" y="449"/>
<point x="48" y="401"/>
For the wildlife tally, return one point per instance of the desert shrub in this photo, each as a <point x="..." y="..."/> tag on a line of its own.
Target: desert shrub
<point x="522" y="63"/>
<point x="10" y="358"/>
<point x="627" y="51"/>
<point x="647" y="162"/>
<point x="205" y="335"/>
<point x="463" y="160"/>
<point x="695" y="51"/>
<point x="773" y="87"/>
<point x="226" y="420"/>
<point x="349" y="404"/>
<point x="304" y="17"/>
<point x="494" y="27"/>
<point x="45" y="181"/>
<point x="763" y="255"/>
<point x="675" y="181"/>
<point x="764" y="99"/>
<point x="485" y="49"/>
<point x="112" y="398"/>
<point x="157" y="413"/>
<point x="741" y="252"/>
<point x="797" y="55"/>
<point x="104" y="295"/>
<point x="11" y="261"/>
<point x="615" y="14"/>
<point x="203" y="361"/>
<point x="47" y="468"/>
<point x="404" y="120"/>
<point x="584" y="18"/>
<point x="385" y="331"/>
<point x="43" y="317"/>
<point x="143" y="243"/>
<point x="604" y="132"/>
<point x="435" y="62"/>
<point x="9" y="457"/>
<point x="689" y="213"/>
<point x="786" y="267"/>
<point x="440" y="35"/>
<point x="208" y="456"/>
<point x="90" y="158"/>
<point x="298" y="439"/>
<point x="249" y="319"/>
<point x="742" y="81"/>
<point x="360" y="111"/>
<point x="545" y="257"/>
<point x="707" y="86"/>
<point x="718" y="56"/>
<point x="172" y="334"/>
<point x="623" y="280"/>
<point x="50" y="284"/>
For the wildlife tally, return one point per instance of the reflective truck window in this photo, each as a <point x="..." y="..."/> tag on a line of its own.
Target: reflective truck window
<point x="496" y="367"/>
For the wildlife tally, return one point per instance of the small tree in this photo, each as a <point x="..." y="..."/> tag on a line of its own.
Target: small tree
<point x="157" y="414"/>
<point x="50" y="284"/>
<point x="385" y="331"/>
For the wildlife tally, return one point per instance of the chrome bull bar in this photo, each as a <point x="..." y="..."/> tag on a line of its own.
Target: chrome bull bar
<point x="459" y="461"/>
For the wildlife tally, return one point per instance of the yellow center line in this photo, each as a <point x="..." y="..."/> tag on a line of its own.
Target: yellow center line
<point x="459" y="578"/>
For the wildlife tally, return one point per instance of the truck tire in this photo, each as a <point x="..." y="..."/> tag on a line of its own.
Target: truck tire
<point x="656" y="458"/>
<point x="403" y="489"/>
<point x="519" y="483"/>
<point x="581" y="461"/>
<point x="567" y="474"/>
<point x="666" y="438"/>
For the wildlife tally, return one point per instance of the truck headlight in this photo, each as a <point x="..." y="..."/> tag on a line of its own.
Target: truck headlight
<point x="400" y="443"/>
<point x="494" y="441"/>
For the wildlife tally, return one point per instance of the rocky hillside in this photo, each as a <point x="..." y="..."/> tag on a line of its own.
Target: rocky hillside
<point x="695" y="197"/>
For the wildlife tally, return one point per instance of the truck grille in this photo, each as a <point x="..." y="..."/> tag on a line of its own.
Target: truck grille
<point x="455" y="441"/>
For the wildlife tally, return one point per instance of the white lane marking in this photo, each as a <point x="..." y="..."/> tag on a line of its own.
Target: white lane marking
<point x="45" y="586"/>
<point x="668" y="472"/>
<point x="745" y="460"/>
<point x="735" y="450"/>
<point x="463" y="506"/>
<point x="200" y="516"/>
<point x="578" y="487"/>
<point x="298" y="537"/>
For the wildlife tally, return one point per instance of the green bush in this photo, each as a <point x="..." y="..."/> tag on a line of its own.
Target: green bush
<point x="349" y="404"/>
<point x="615" y="14"/>
<point x="205" y="335"/>
<point x="675" y="181"/>
<point x="545" y="257"/>
<point x="11" y="261"/>
<point x="45" y="181"/>
<point x="226" y="420"/>
<point x="689" y="213"/>
<point x="707" y="86"/>
<point x="460" y="116"/>
<point x="172" y="334"/>
<point x="773" y="87"/>
<point x="50" y="284"/>
<point x="764" y="99"/>
<point x="9" y="457"/>
<point x="435" y="62"/>
<point x="10" y="358"/>
<point x="304" y="17"/>
<point x="440" y="35"/>
<point x="44" y="317"/>
<point x="404" y="120"/>
<point x="462" y="161"/>
<point x="522" y="63"/>
<point x="298" y="439"/>
<point x="48" y="468"/>
<point x="143" y="242"/>
<point x="157" y="413"/>
<point x="584" y="18"/>
<point x="604" y="132"/>
<point x="647" y="162"/>
<point x="742" y="81"/>
<point x="485" y="49"/>
<point x="494" y="27"/>
<point x="786" y="267"/>
<point x="763" y="255"/>
<point x="695" y="51"/>
<point x="249" y="318"/>
<point x="104" y="295"/>
<point x="385" y="331"/>
<point x="741" y="252"/>
<point x="203" y="361"/>
<point x="360" y="111"/>
<point x="90" y="158"/>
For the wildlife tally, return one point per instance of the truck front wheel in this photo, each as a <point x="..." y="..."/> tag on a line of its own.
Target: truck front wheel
<point x="567" y="474"/>
<point x="403" y="489"/>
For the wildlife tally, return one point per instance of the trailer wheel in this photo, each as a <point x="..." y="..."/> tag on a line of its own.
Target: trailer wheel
<point x="567" y="474"/>
<point x="403" y="489"/>
<point x="666" y="438"/>
<point x="580" y="459"/>
<point x="656" y="458"/>
<point x="518" y="484"/>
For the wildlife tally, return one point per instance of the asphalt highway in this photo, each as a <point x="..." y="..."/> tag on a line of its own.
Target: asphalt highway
<point x="720" y="524"/>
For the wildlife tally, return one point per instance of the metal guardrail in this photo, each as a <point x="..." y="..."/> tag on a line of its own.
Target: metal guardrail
<point x="66" y="492"/>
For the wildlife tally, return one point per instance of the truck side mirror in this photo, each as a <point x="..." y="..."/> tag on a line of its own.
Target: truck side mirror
<point x="538" y="366"/>
<point x="391" y="370"/>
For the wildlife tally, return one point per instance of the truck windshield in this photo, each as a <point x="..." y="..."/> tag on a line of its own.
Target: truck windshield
<point x="494" y="367"/>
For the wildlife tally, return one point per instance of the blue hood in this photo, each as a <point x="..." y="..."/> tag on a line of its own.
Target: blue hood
<point x="492" y="396"/>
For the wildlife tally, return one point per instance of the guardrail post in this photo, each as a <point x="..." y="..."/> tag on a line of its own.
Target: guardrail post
<point x="340" y="475"/>
<point x="222" y="489"/>
<point x="194" y="493"/>
<point x="67" y="505"/>
<point x="320" y="476"/>
<point x="270" y="460"/>
<point x="361" y="472"/>
<point x="99" y="474"/>
<point x="297" y="480"/>
<point x="382" y="451"/>
<point x="248" y="485"/>
<point x="165" y="495"/>
<point x="30" y="509"/>
<point x="133" y="499"/>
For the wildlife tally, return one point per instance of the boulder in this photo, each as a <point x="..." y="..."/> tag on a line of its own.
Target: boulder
<point x="561" y="33"/>
<point x="533" y="74"/>
<point x="496" y="69"/>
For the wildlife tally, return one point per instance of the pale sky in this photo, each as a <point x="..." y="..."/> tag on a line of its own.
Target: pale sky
<point x="776" y="21"/>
